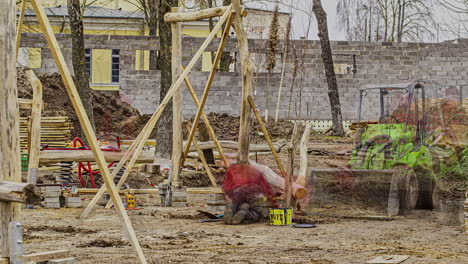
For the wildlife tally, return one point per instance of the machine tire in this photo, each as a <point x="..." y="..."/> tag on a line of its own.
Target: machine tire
<point x="426" y="189"/>
<point x="403" y="191"/>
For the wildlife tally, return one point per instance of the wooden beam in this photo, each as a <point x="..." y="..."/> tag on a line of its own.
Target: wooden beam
<point x="246" y="63"/>
<point x="134" y="191"/>
<point x="202" y="190"/>
<point x="207" y="123"/>
<point x="180" y="16"/>
<point x="10" y="165"/>
<point x="155" y="117"/>
<point x="54" y="156"/>
<point x="292" y="147"/>
<point x="214" y="69"/>
<point x="45" y="256"/>
<point x="267" y="135"/>
<point x="18" y="192"/>
<point x="86" y="126"/>
<point x="19" y="27"/>
<point x="34" y="133"/>
<point x="24" y="103"/>
<point x="203" y="160"/>
<point x="177" y="99"/>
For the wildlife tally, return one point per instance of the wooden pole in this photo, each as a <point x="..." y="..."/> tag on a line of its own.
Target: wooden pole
<point x="34" y="146"/>
<point x="19" y="28"/>
<point x="86" y="126"/>
<point x="214" y="68"/>
<point x="207" y="123"/>
<point x="301" y="179"/>
<point x="10" y="166"/>
<point x="203" y="160"/>
<point x="19" y="192"/>
<point x="180" y="16"/>
<point x="246" y="63"/>
<point x="267" y="136"/>
<point x="155" y="117"/>
<point x="177" y="99"/>
<point x="289" y="182"/>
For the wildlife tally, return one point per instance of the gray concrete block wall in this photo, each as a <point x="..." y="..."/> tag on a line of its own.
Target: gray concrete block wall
<point x="374" y="63"/>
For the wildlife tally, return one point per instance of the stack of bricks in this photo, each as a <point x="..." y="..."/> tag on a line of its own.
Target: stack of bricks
<point x="52" y="197"/>
<point x="179" y="197"/>
<point x="216" y="202"/>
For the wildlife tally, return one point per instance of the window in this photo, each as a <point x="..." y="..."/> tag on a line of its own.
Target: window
<point x="115" y="65"/>
<point x="88" y="61"/>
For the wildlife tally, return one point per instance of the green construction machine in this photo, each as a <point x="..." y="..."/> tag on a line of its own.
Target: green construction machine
<point x="413" y="135"/>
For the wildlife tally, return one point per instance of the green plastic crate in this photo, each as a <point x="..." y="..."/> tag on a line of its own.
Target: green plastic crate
<point x="24" y="162"/>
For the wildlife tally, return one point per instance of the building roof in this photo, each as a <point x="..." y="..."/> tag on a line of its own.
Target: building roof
<point x="90" y="12"/>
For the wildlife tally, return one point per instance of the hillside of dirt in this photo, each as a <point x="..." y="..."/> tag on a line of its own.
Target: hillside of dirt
<point x="111" y="115"/>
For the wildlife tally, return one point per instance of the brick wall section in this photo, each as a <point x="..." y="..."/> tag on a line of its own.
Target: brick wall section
<point x="375" y="63"/>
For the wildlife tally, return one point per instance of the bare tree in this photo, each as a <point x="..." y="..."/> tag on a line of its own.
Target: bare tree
<point x="387" y="20"/>
<point x="164" y="127"/>
<point x="75" y="14"/>
<point x="271" y="56"/>
<point x="333" y="94"/>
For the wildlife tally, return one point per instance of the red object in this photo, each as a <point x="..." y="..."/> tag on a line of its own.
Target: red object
<point x="243" y="183"/>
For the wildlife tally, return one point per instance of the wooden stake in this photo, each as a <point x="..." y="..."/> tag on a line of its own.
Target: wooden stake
<point x="207" y="123"/>
<point x="290" y="171"/>
<point x="19" y="28"/>
<point x="267" y="135"/>
<point x="155" y="117"/>
<point x="10" y="166"/>
<point x="203" y="160"/>
<point x="246" y="63"/>
<point x="177" y="99"/>
<point x="35" y="128"/>
<point x="86" y="126"/>
<point x="214" y="68"/>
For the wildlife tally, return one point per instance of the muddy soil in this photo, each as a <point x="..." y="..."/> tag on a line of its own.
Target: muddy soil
<point x="170" y="235"/>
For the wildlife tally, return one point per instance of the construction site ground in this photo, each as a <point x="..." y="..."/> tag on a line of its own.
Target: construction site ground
<point x="176" y="235"/>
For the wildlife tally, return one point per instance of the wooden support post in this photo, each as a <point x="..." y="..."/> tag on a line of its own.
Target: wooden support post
<point x="155" y="117"/>
<point x="246" y="63"/>
<point x="204" y="136"/>
<point x="290" y="170"/>
<point x="267" y="136"/>
<point x="10" y="166"/>
<point x="177" y="99"/>
<point x="203" y="160"/>
<point x="207" y="123"/>
<point x="301" y="179"/>
<point x="19" y="28"/>
<point x="34" y="132"/>
<point x="86" y="126"/>
<point x="214" y="68"/>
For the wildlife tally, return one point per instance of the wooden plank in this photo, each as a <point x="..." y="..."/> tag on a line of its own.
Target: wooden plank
<point x="289" y="183"/>
<point x="24" y="104"/>
<point x="177" y="99"/>
<point x="19" y="192"/>
<point x="214" y="69"/>
<point x="34" y="145"/>
<point x="207" y="123"/>
<point x="203" y="160"/>
<point x="86" y="125"/>
<point x="19" y="28"/>
<point x="155" y="117"/>
<point x="10" y="166"/>
<point x="4" y="260"/>
<point x="135" y="191"/>
<point x="180" y="16"/>
<point x="267" y="135"/>
<point x="204" y="190"/>
<point x="54" y="156"/>
<point x="45" y="256"/>
<point x="246" y="64"/>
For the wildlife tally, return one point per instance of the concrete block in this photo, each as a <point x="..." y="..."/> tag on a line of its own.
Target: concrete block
<point x="216" y="196"/>
<point x="72" y="200"/>
<point x="73" y="205"/>
<point x="63" y="261"/>
<point x="179" y="204"/>
<point x="52" y="205"/>
<point x="51" y="200"/>
<point x="52" y="194"/>
<point x="52" y="189"/>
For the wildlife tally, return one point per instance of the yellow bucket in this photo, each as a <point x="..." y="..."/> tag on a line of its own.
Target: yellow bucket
<point x="280" y="216"/>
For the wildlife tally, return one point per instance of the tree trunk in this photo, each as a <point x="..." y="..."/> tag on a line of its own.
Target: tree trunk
<point x="152" y="22"/>
<point x="164" y="126"/>
<point x="333" y="94"/>
<point x="226" y="56"/>
<point x="78" y="59"/>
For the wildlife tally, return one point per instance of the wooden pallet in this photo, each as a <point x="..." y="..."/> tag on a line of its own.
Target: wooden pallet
<point x="55" y="131"/>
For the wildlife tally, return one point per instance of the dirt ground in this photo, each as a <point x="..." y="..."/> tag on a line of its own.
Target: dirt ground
<point x="171" y="235"/>
<point x="176" y="235"/>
